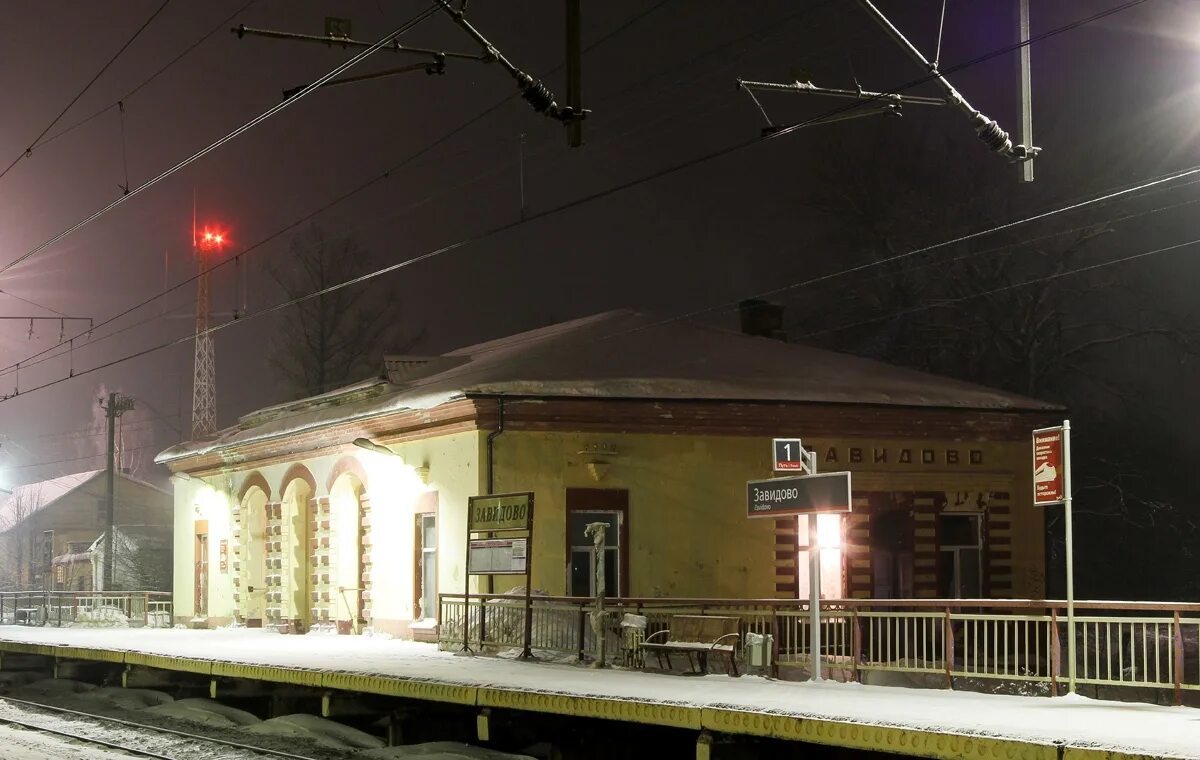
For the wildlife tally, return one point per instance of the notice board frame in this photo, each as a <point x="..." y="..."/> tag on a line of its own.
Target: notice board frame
<point x="490" y="532"/>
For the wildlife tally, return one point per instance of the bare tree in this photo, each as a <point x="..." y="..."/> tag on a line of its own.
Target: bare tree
<point x="1020" y="310"/>
<point x="20" y="562"/>
<point x="333" y="338"/>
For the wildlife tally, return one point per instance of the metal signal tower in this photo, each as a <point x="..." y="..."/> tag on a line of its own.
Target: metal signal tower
<point x="204" y="382"/>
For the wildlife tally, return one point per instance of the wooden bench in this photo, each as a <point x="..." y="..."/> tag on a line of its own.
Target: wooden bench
<point x="27" y="616"/>
<point x="697" y="636"/>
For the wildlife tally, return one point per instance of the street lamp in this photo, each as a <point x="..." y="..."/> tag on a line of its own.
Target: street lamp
<point x="369" y="445"/>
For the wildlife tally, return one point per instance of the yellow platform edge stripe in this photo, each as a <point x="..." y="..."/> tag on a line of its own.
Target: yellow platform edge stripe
<point x="891" y="739"/>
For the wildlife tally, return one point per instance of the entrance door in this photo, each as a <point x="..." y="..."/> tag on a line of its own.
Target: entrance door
<point x="959" y="556"/>
<point x="892" y="554"/>
<point x="201" y="601"/>
<point x="581" y="568"/>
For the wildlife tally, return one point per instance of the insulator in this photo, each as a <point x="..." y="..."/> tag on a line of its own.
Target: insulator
<point x="991" y="133"/>
<point x="539" y="96"/>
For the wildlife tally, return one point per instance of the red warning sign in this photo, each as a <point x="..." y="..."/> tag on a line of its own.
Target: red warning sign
<point x="1049" y="466"/>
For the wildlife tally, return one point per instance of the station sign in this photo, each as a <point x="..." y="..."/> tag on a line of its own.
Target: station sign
<point x="510" y="511"/>
<point x="1049" y="466"/>
<point x="828" y="492"/>
<point x="788" y="455"/>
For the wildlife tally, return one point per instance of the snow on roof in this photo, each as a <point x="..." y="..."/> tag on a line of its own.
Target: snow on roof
<point x="624" y="354"/>
<point x="34" y="497"/>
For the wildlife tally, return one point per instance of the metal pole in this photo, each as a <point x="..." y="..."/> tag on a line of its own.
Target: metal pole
<point x="527" y="650"/>
<point x="1066" y="432"/>
<point x="1024" y="84"/>
<point x="814" y="596"/>
<point x="110" y="412"/>
<point x="574" y="75"/>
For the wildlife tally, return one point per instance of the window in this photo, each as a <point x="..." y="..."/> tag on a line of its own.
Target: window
<point x="582" y="581"/>
<point x="959" y="556"/>
<point x="604" y="505"/>
<point x="426" y="566"/>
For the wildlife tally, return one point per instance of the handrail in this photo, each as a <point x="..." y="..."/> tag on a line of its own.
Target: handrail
<point x="835" y="604"/>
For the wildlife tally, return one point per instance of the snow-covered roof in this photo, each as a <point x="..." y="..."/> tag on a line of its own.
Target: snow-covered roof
<point x="33" y="497"/>
<point x="27" y="499"/>
<point x="624" y="354"/>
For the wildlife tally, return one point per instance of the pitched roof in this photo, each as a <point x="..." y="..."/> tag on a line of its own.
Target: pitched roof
<point x="623" y="354"/>
<point x="33" y="497"/>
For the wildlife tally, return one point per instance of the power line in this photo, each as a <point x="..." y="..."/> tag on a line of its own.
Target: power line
<point x="383" y="176"/>
<point x="221" y="141"/>
<point x="29" y="151"/>
<point x="33" y="303"/>
<point x="943" y="302"/>
<point x="75" y="459"/>
<point x="116" y="103"/>
<point x="611" y="191"/>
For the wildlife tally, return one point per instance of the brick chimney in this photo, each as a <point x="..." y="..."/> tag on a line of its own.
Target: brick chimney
<point x="762" y="319"/>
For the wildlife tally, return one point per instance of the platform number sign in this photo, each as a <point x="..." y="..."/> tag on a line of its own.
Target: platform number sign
<point x="789" y="455"/>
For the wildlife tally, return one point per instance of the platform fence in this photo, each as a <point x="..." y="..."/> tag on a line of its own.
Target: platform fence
<point x="137" y="609"/>
<point x="1009" y="646"/>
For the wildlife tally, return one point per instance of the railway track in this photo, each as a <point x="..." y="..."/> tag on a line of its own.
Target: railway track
<point x="196" y="740"/>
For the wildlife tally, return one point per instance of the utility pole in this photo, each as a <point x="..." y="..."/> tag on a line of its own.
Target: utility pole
<point x="204" y="379"/>
<point x="116" y="406"/>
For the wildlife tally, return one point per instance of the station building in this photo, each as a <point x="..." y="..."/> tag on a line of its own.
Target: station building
<point x="651" y="426"/>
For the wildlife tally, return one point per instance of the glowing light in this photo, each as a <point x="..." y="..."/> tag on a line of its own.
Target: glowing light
<point x="829" y="531"/>
<point x="211" y="240"/>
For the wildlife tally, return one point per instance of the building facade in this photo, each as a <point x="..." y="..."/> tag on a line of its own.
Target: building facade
<point x="349" y="509"/>
<point x="50" y="531"/>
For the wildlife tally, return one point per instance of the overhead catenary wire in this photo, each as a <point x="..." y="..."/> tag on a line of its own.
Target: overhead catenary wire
<point x="335" y="71"/>
<point x="116" y="103"/>
<point x="361" y="187"/>
<point x="29" y="151"/>
<point x="632" y="183"/>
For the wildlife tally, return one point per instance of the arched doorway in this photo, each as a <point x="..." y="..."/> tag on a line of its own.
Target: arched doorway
<point x="292" y="524"/>
<point x="344" y="577"/>
<point x="252" y="547"/>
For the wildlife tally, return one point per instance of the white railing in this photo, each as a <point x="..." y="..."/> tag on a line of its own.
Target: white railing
<point x="136" y="609"/>
<point x="965" y="644"/>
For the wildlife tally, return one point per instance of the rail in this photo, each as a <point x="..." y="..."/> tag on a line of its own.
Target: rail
<point x="1006" y="645"/>
<point x="137" y="609"/>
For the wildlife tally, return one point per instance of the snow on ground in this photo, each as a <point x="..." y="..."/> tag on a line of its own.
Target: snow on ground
<point x="20" y="744"/>
<point x="442" y="751"/>
<point x="327" y="732"/>
<point x="206" y="711"/>
<point x="1076" y="721"/>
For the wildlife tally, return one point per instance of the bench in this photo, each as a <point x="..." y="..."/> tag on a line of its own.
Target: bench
<point x="27" y="616"/>
<point x="697" y="637"/>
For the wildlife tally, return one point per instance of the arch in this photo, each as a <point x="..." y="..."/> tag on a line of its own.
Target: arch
<point x="347" y="464"/>
<point x="298" y="472"/>
<point x="254" y="480"/>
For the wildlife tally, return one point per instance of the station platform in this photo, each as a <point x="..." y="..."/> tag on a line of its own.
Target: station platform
<point x="918" y="722"/>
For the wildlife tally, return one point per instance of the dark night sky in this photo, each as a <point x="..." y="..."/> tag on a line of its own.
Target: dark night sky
<point x="1115" y="102"/>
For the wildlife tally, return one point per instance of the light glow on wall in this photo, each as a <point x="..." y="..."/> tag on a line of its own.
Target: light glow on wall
<point x="829" y="531"/>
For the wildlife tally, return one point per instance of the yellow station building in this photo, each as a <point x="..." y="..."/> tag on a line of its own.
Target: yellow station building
<point x="648" y="425"/>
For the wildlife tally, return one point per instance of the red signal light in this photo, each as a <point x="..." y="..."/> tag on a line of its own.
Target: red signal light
<point x="210" y="240"/>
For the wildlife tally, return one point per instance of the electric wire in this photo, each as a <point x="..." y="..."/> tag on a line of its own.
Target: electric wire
<point x="116" y="103"/>
<point x="370" y="182"/>
<point x="33" y="303"/>
<point x="944" y="302"/>
<point x="675" y="168"/>
<point x="29" y="151"/>
<point x="335" y="71"/>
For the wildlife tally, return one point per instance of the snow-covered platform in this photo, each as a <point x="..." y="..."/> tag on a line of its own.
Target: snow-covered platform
<point x="926" y="723"/>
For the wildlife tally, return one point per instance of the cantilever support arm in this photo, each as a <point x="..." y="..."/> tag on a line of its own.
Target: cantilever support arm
<point x="986" y="128"/>
<point x="533" y="90"/>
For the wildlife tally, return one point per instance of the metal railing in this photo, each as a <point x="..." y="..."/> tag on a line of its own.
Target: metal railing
<point x="136" y="609"/>
<point x="1013" y="645"/>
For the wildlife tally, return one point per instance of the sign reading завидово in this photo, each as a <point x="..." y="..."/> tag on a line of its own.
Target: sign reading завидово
<point x="509" y="511"/>
<point x="799" y="495"/>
